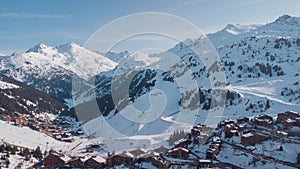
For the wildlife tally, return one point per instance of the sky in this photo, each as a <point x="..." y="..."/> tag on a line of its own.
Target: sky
<point x="24" y="24"/>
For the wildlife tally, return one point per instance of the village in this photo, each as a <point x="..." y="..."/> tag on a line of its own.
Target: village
<point x="201" y="147"/>
<point x="59" y="127"/>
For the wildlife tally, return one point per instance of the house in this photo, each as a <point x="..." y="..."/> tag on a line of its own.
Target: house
<point x="178" y="153"/>
<point x="205" y="163"/>
<point x="182" y="143"/>
<point x="288" y="123"/>
<point x="211" y="153"/>
<point x="54" y="160"/>
<point x="231" y="133"/>
<point x="138" y="152"/>
<point x="242" y="120"/>
<point x="263" y="120"/>
<point x="77" y="163"/>
<point x="95" y="162"/>
<point x="147" y="157"/>
<point x="196" y="130"/>
<point x="225" y="122"/>
<point x="161" y="150"/>
<point x="216" y="140"/>
<point x="124" y="157"/>
<point x="286" y="115"/>
<point x="160" y="163"/>
<point x="253" y="138"/>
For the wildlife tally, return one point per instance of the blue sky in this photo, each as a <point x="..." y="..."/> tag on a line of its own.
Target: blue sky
<point x="27" y="23"/>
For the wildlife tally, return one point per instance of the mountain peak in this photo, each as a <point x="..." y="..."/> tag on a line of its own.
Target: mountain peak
<point x="67" y="47"/>
<point x="287" y="20"/>
<point x="236" y="29"/>
<point x="37" y="48"/>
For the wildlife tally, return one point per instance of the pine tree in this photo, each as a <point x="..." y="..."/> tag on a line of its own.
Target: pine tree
<point x="38" y="153"/>
<point x="7" y="162"/>
<point x="14" y="150"/>
<point x="26" y="154"/>
<point x="268" y="104"/>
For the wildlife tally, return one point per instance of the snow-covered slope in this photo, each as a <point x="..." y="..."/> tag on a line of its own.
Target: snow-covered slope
<point x="18" y="97"/>
<point x="261" y="63"/>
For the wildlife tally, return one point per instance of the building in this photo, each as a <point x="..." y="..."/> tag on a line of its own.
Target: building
<point x="242" y="120"/>
<point x="160" y="163"/>
<point x="147" y="157"/>
<point x="77" y="163"/>
<point x="205" y="163"/>
<point x="251" y="138"/>
<point x="123" y="158"/>
<point x="138" y="152"/>
<point x="286" y="115"/>
<point x="161" y="150"/>
<point x="95" y="162"/>
<point x="183" y="143"/>
<point x="55" y="160"/>
<point x="178" y="153"/>
<point x="298" y="159"/>
<point x="263" y="120"/>
<point x="211" y="153"/>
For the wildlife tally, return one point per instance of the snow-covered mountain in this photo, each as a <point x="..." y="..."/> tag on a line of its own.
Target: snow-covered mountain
<point x="261" y="64"/>
<point x="50" y="69"/>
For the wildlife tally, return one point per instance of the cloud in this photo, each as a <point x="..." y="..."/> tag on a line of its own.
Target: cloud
<point x="27" y="15"/>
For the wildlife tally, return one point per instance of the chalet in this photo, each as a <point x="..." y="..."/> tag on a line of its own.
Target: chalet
<point x="253" y="138"/>
<point x="211" y="153"/>
<point x="205" y="163"/>
<point x="123" y="158"/>
<point x="281" y="134"/>
<point x="216" y="140"/>
<point x="178" y="153"/>
<point x="161" y="150"/>
<point x="231" y="133"/>
<point x="225" y="122"/>
<point x="264" y="120"/>
<point x="138" y="152"/>
<point x="215" y="146"/>
<point x="242" y="120"/>
<point x="147" y="157"/>
<point x="55" y="160"/>
<point x="182" y="143"/>
<point x="95" y="162"/>
<point x="228" y="121"/>
<point x="77" y="163"/>
<point x="286" y="115"/>
<point x="160" y="163"/>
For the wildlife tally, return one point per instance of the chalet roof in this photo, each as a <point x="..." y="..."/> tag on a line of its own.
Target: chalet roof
<point x="61" y="156"/>
<point x="161" y="149"/>
<point x="138" y="151"/>
<point x="216" y="139"/>
<point x="180" y="148"/>
<point x="248" y="135"/>
<point x="126" y="154"/>
<point x="204" y="161"/>
<point x="290" y="121"/>
<point x="149" y="154"/>
<point x="99" y="159"/>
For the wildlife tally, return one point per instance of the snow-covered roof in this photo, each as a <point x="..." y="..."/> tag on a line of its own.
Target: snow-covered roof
<point x="248" y="135"/>
<point x="99" y="159"/>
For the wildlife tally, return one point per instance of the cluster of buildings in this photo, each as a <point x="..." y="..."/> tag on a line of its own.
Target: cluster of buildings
<point x="60" y="128"/>
<point x="260" y="128"/>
